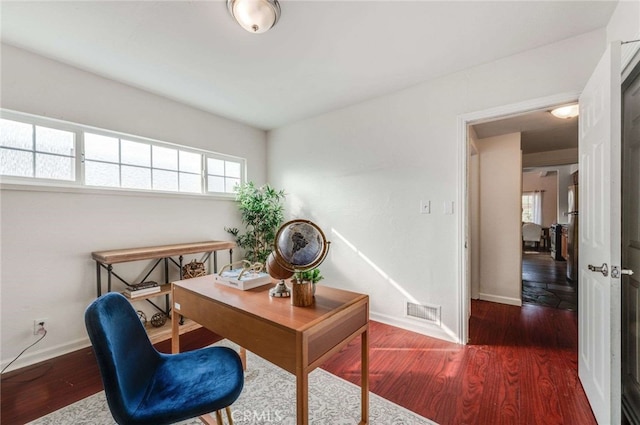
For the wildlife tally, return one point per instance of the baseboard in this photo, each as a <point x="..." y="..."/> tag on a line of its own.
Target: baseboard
<point x="501" y="299"/>
<point x="29" y="359"/>
<point x="414" y="325"/>
<point x="409" y="324"/>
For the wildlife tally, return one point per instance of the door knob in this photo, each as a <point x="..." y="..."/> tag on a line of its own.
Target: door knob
<point x="602" y="269"/>
<point x="617" y="272"/>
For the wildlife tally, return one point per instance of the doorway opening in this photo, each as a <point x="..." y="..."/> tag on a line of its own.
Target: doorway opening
<point x="534" y="204"/>
<point x="506" y="130"/>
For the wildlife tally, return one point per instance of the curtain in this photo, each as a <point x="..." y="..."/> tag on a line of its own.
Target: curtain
<point x="532" y="207"/>
<point x="537" y="207"/>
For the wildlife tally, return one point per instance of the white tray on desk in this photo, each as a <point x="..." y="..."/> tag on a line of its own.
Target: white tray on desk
<point x="247" y="281"/>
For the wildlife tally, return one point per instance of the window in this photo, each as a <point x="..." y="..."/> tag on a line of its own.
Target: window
<point x="223" y="175"/>
<point x="29" y="150"/>
<point x="532" y="207"/>
<point x="111" y="160"/>
<point x="115" y="162"/>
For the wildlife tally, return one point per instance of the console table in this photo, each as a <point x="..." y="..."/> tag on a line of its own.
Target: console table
<point x="106" y="259"/>
<point x="163" y="254"/>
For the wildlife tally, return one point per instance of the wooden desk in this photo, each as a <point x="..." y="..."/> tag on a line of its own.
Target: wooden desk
<point x="298" y="339"/>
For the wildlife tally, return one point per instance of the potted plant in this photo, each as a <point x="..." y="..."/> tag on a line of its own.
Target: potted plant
<point x="303" y="286"/>
<point x="262" y="213"/>
<point x="312" y="275"/>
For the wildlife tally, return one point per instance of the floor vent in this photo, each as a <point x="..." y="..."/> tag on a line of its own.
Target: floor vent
<point x="430" y="313"/>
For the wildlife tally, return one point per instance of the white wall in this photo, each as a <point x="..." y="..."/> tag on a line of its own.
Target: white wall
<point x="500" y="219"/>
<point x="361" y="172"/>
<point x="48" y="236"/>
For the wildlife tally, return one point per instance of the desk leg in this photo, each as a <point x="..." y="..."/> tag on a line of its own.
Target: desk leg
<point x="243" y="357"/>
<point x="302" y="398"/>
<point x="364" y="371"/>
<point x="175" y="331"/>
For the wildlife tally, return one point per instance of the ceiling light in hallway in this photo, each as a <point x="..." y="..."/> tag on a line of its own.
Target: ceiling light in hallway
<point x="566" y="112"/>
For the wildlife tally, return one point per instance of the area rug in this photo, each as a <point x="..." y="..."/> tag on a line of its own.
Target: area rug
<point x="268" y="397"/>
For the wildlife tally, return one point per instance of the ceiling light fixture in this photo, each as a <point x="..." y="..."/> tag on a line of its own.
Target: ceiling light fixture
<point x="566" y="112"/>
<point x="255" y="16"/>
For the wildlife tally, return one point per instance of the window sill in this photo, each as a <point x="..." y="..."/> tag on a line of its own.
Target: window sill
<point x="9" y="184"/>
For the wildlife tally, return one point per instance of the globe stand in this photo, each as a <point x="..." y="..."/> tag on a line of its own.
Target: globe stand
<point x="281" y="290"/>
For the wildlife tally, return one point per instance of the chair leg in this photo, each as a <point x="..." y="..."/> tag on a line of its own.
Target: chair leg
<point x="208" y="418"/>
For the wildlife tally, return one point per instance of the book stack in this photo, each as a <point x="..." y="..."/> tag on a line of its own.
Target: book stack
<point x="140" y="289"/>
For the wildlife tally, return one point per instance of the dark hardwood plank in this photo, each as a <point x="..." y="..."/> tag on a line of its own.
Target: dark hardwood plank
<point x="545" y="283"/>
<point x="519" y="368"/>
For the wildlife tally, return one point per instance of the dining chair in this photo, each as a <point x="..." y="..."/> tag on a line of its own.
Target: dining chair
<point x="146" y="387"/>
<point x="531" y="232"/>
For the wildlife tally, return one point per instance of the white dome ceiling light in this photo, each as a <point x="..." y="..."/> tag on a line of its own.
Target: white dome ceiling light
<point x="566" y="112"/>
<point x="255" y="16"/>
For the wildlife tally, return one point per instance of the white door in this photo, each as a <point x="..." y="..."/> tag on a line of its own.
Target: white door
<point x="599" y="243"/>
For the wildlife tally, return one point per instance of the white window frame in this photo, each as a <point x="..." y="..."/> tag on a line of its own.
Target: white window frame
<point x="222" y="158"/>
<point x="36" y="121"/>
<point x="536" y="206"/>
<point x="79" y="130"/>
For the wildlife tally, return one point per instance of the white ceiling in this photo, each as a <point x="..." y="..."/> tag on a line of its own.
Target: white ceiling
<point x="540" y="131"/>
<point x="322" y="55"/>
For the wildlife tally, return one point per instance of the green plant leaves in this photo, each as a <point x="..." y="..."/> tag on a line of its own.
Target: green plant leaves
<point x="312" y="275"/>
<point x="262" y="213"/>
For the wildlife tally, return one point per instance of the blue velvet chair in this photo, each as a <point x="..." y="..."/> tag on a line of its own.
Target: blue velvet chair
<point x="146" y="387"/>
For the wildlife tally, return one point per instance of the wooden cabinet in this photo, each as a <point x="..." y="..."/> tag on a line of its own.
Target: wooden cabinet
<point x="165" y="256"/>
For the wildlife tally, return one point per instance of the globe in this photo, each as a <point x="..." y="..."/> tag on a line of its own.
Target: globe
<point x="275" y="270"/>
<point x="300" y="245"/>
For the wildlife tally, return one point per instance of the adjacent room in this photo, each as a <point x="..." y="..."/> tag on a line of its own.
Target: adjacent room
<point x="347" y="156"/>
<point x="549" y="157"/>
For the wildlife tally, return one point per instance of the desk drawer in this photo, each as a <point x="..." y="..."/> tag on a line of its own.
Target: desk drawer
<point x="267" y="340"/>
<point x="331" y="333"/>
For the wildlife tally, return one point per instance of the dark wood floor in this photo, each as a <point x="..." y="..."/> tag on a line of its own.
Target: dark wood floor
<point x="545" y="283"/>
<point x="520" y="368"/>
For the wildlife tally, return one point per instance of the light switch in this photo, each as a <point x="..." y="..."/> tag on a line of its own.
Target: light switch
<point x="448" y="207"/>
<point x="425" y="207"/>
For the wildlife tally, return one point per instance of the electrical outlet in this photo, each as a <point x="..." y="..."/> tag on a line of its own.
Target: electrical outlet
<point x="38" y="326"/>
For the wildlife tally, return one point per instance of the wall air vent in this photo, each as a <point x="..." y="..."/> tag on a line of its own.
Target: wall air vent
<point x="430" y="313"/>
